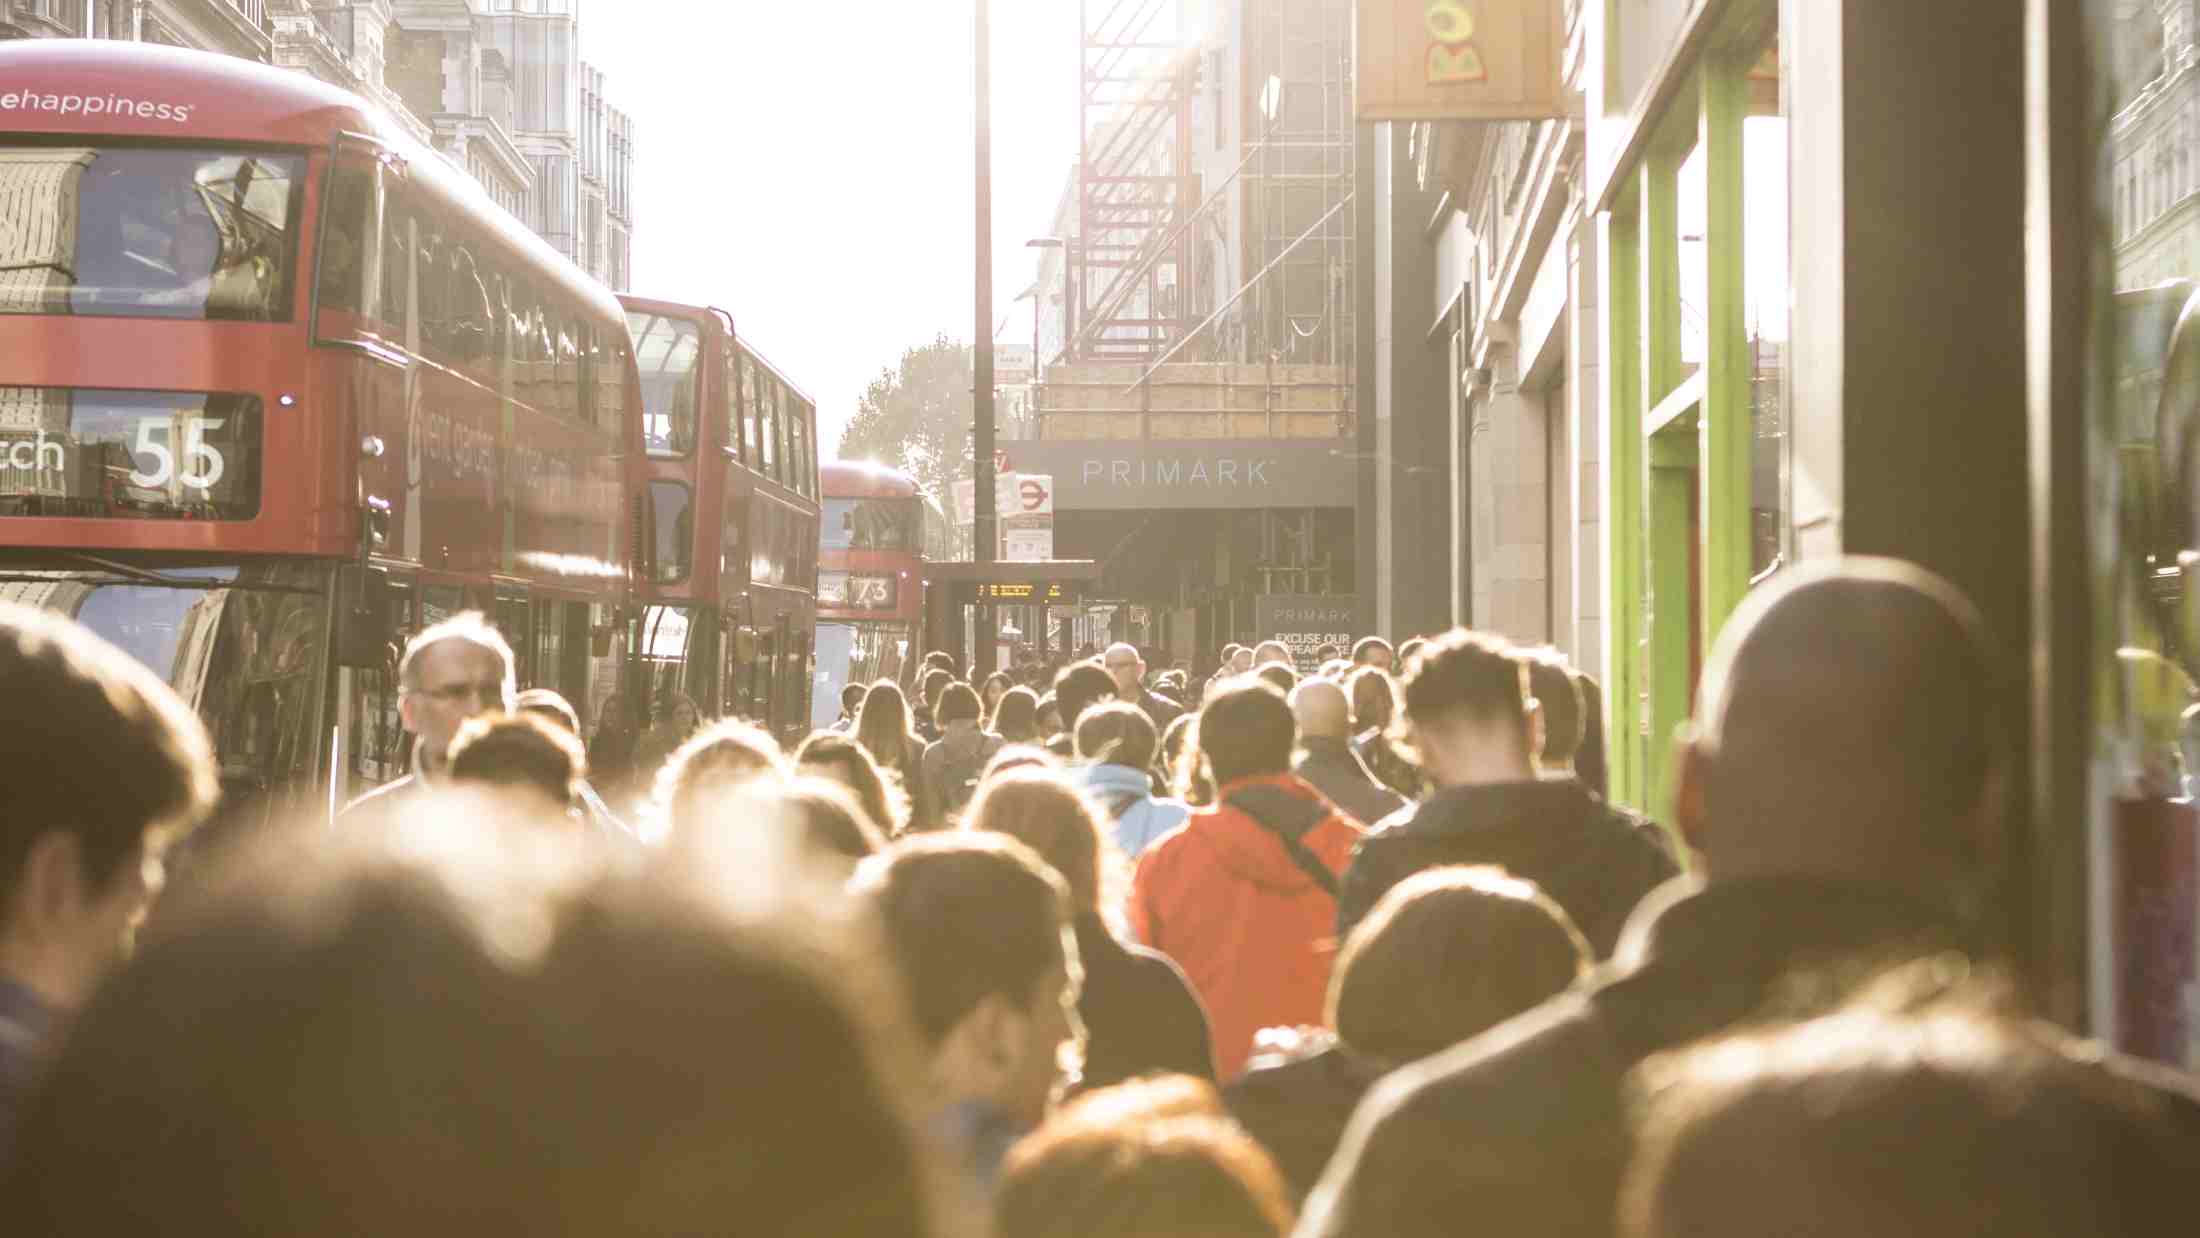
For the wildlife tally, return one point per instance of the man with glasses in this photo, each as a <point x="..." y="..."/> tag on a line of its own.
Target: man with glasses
<point x="457" y="670"/>
<point x="1127" y="667"/>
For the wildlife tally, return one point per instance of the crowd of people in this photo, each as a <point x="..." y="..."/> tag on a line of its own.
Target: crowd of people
<point x="1357" y="948"/>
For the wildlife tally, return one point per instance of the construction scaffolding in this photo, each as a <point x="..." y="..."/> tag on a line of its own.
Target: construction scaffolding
<point x="1141" y="289"/>
<point x="1135" y="184"/>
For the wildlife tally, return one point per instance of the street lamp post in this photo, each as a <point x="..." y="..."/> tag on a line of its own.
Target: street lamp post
<point x="983" y="518"/>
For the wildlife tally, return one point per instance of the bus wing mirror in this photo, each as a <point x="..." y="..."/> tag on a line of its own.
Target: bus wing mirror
<point x="362" y="618"/>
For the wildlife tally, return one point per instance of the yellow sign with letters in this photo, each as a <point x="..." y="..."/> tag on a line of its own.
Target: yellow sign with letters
<point x="1461" y="60"/>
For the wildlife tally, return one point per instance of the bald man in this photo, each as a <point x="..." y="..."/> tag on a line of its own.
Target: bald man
<point x="1326" y="756"/>
<point x="1841" y="785"/>
<point x="1273" y="653"/>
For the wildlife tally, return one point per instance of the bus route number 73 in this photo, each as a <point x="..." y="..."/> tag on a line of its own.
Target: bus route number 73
<point x="203" y="463"/>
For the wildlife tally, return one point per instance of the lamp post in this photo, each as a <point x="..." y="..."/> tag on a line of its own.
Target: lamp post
<point x="984" y="521"/>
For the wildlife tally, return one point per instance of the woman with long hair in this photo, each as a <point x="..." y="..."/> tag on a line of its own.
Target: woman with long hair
<point x="1016" y="716"/>
<point x="1374" y="707"/>
<point x="834" y="756"/>
<point x="1186" y="767"/>
<point x="885" y="730"/>
<point x="996" y="686"/>
<point x="1139" y="1012"/>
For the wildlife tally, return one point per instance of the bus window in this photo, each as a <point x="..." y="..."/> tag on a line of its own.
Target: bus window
<point x="397" y="252"/>
<point x="151" y="233"/>
<point x="729" y="388"/>
<point x="783" y="416"/>
<point x="432" y="279"/>
<point x="351" y="225"/>
<point x="666" y="351"/>
<point x="611" y="394"/>
<point x="512" y="619"/>
<point x="587" y="356"/>
<point x="767" y="391"/>
<point x="749" y="411"/>
<point x="672" y="516"/>
<point x="473" y="337"/>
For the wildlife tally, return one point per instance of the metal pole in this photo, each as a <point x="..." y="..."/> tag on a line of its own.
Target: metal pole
<point x="984" y="521"/>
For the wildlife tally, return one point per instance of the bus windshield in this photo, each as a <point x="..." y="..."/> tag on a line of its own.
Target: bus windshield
<point x="242" y="644"/>
<point x="666" y="351"/>
<point x="871" y="524"/>
<point x="148" y="232"/>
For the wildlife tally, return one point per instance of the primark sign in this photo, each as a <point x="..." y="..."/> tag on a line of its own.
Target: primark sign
<point x="1159" y="474"/>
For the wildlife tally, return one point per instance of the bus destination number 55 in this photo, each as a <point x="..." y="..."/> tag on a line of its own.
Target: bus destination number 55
<point x="202" y="463"/>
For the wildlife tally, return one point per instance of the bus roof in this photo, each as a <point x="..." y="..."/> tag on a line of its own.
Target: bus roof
<point x="862" y="479"/>
<point x="111" y="88"/>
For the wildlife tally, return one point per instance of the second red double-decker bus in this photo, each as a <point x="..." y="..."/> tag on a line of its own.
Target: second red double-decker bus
<point x="878" y="528"/>
<point x="279" y="386"/>
<point x="730" y="579"/>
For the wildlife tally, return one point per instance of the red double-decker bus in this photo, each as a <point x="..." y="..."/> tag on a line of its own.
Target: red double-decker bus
<point x="730" y="583"/>
<point x="879" y="527"/>
<point x="279" y="386"/>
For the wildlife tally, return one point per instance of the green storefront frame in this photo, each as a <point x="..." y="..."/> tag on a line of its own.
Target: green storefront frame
<point x="1677" y="482"/>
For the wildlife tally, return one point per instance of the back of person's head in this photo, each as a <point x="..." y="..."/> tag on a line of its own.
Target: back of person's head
<point x="882" y="725"/>
<point x="1903" y="1124"/>
<point x="714" y="761"/>
<point x="1019" y="756"/>
<point x="851" y="698"/>
<point x="1374" y="698"/>
<point x="1078" y="688"/>
<point x="1117" y="733"/>
<point x="1041" y="810"/>
<point x="1278" y="675"/>
<point x="1049" y="716"/>
<point x="1368" y="648"/>
<point x="444" y="1030"/>
<point x="956" y="702"/>
<point x="1334" y="669"/>
<point x="1320" y="710"/>
<point x="1849" y="728"/>
<point x="941" y="660"/>
<point x="1411" y="649"/>
<point x="1589" y="763"/>
<point x="1016" y="718"/>
<point x="829" y="754"/>
<point x="1558" y="698"/>
<point x="551" y="706"/>
<point x="935" y="682"/>
<point x="967" y="915"/>
<point x="1465" y="678"/>
<point x="1272" y="653"/>
<point x="1247" y="731"/>
<point x="1447" y="954"/>
<point x="1159" y="1175"/>
<point x="832" y="819"/>
<point x="106" y="754"/>
<point x="519" y="752"/>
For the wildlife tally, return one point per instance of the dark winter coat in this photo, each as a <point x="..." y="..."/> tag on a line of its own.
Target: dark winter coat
<point x="1522" y="1128"/>
<point x="1139" y="1012"/>
<point x="1597" y="861"/>
<point x="1337" y="772"/>
<point x="1298" y="1105"/>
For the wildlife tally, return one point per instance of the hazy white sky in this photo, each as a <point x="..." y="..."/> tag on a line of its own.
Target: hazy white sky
<point x="807" y="165"/>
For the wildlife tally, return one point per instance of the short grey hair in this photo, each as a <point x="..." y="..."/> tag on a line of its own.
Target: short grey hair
<point x="470" y="626"/>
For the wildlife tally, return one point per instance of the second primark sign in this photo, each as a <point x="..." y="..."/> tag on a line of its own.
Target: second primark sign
<point x="1122" y="475"/>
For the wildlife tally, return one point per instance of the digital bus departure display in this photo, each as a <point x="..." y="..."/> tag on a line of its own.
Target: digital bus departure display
<point x="146" y="455"/>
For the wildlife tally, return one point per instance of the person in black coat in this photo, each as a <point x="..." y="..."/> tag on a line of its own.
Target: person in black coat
<point x="1399" y="993"/>
<point x="1842" y="792"/>
<point x="1326" y="757"/>
<point x="1478" y="733"/>
<point x="1140" y="1014"/>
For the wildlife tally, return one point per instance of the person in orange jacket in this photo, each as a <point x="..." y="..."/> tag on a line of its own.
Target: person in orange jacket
<point x="1239" y="894"/>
